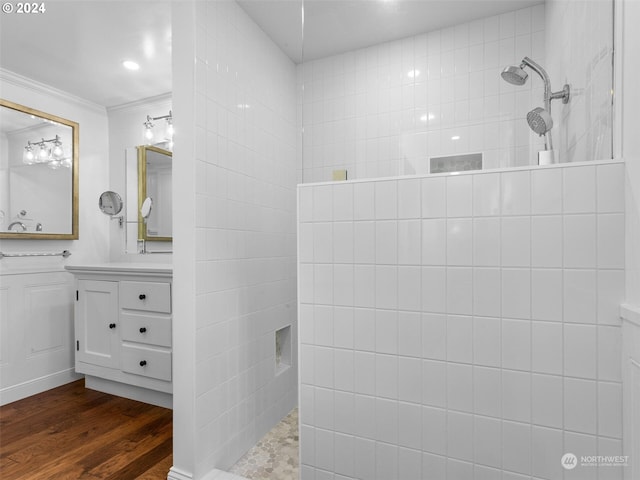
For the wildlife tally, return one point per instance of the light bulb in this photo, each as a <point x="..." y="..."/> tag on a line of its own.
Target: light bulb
<point x="57" y="151"/>
<point x="148" y="130"/>
<point x="169" y="129"/>
<point x="28" y="156"/>
<point x="43" y="154"/>
<point x="54" y="164"/>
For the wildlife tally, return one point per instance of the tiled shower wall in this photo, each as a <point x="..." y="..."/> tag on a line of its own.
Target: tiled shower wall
<point x="460" y="326"/>
<point x="384" y="110"/>
<point x="580" y="53"/>
<point x="243" y="223"/>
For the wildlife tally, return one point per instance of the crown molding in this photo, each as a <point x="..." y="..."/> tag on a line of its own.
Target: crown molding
<point x="7" y="76"/>
<point x="142" y="104"/>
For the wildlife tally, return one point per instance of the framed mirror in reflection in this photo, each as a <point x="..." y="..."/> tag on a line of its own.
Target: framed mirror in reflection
<point x="154" y="194"/>
<point x="38" y="174"/>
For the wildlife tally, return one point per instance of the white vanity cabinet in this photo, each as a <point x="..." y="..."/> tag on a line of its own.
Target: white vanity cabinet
<point x="123" y="327"/>
<point x="97" y="340"/>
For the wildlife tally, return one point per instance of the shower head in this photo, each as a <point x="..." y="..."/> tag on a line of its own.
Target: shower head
<point x="515" y="75"/>
<point x="539" y="120"/>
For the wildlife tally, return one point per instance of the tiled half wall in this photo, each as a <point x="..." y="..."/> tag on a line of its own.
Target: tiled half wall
<point x="462" y="326"/>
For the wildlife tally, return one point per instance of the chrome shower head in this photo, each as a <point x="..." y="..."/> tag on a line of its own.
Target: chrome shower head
<point x="515" y="75"/>
<point x="540" y="120"/>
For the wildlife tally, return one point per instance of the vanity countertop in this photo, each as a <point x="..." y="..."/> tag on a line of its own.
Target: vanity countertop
<point x="123" y="268"/>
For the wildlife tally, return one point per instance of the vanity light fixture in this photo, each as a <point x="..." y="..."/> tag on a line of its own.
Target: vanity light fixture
<point x="149" y="126"/>
<point x="42" y="152"/>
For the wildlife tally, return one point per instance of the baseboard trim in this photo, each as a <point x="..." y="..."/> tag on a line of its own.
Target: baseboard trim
<point x="132" y="392"/>
<point x="38" y="385"/>
<point x="215" y="474"/>
<point x="176" y="474"/>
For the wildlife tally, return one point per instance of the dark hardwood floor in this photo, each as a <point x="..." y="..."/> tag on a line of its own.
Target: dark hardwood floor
<point x="75" y="433"/>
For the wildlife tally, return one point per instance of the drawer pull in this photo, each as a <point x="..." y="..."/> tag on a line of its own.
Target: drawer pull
<point x="143" y="329"/>
<point x="112" y="326"/>
<point x="142" y="296"/>
<point x="143" y="363"/>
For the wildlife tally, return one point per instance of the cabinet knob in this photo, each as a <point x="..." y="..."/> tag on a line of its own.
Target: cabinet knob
<point x="143" y="363"/>
<point x="112" y="325"/>
<point x="142" y="296"/>
<point x="143" y="329"/>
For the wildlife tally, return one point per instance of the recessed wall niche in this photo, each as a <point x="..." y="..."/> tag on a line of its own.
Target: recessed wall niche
<point x="283" y="349"/>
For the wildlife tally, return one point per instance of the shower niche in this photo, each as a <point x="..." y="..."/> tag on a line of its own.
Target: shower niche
<point x="283" y="349"/>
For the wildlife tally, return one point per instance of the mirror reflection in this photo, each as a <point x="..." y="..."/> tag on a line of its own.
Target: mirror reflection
<point x="154" y="194"/>
<point x="110" y="203"/>
<point x="38" y="174"/>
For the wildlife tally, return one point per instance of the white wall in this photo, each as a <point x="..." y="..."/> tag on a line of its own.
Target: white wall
<point x="94" y="150"/>
<point x="579" y="41"/>
<point x="234" y="242"/>
<point x="126" y="132"/>
<point x="37" y="290"/>
<point x="631" y="144"/>
<point x="4" y="181"/>
<point x="630" y="51"/>
<point x="454" y="327"/>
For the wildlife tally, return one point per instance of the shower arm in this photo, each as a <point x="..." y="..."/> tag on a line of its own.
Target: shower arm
<point x="548" y="94"/>
<point x="526" y="61"/>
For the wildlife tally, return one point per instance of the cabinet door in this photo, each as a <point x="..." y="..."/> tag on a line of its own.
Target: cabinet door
<point x="97" y="326"/>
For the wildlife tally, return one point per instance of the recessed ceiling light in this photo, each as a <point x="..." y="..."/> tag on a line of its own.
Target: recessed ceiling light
<point x="413" y="73"/>
<point x="455" y="137"/>
<point x="130" y="65"/>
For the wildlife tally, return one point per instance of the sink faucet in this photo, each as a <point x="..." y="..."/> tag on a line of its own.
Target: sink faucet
<point x="22" y="225"/>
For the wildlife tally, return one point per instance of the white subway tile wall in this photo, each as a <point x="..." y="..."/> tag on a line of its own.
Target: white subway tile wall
<point x="581" y="54"/>
<point x="385" y="110"/>
<point x="245" y="234"/>
<point x="492" y="347"/>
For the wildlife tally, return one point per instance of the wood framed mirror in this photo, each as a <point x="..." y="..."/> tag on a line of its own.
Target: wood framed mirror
<point x="39" y="160"/>
<point x="154" y="194"/>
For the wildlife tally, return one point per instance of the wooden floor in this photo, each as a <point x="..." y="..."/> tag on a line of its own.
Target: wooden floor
<point x="75" y="433"/>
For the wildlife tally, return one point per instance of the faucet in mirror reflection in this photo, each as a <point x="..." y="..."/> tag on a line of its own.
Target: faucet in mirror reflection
<point x="21" y="223"/>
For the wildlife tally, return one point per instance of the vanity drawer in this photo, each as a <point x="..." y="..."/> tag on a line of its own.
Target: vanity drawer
<point x="149" y="296"/>
<point x="147" y="362"/>
<point x="150" y="329"/>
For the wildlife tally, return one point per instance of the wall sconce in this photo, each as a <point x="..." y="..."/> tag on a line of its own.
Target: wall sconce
<point x="149" y="127"/>
<point x="49" y="152"/>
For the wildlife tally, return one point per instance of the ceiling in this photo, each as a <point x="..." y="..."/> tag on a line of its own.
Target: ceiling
<point x="336" y="26"/>
<point x="79" y="46"/>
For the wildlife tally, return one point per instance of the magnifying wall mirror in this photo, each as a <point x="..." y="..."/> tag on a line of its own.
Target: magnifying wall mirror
<point x="110" y="203"/>
<point x="154" y="194"/>
<point x="38" y="174"/>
